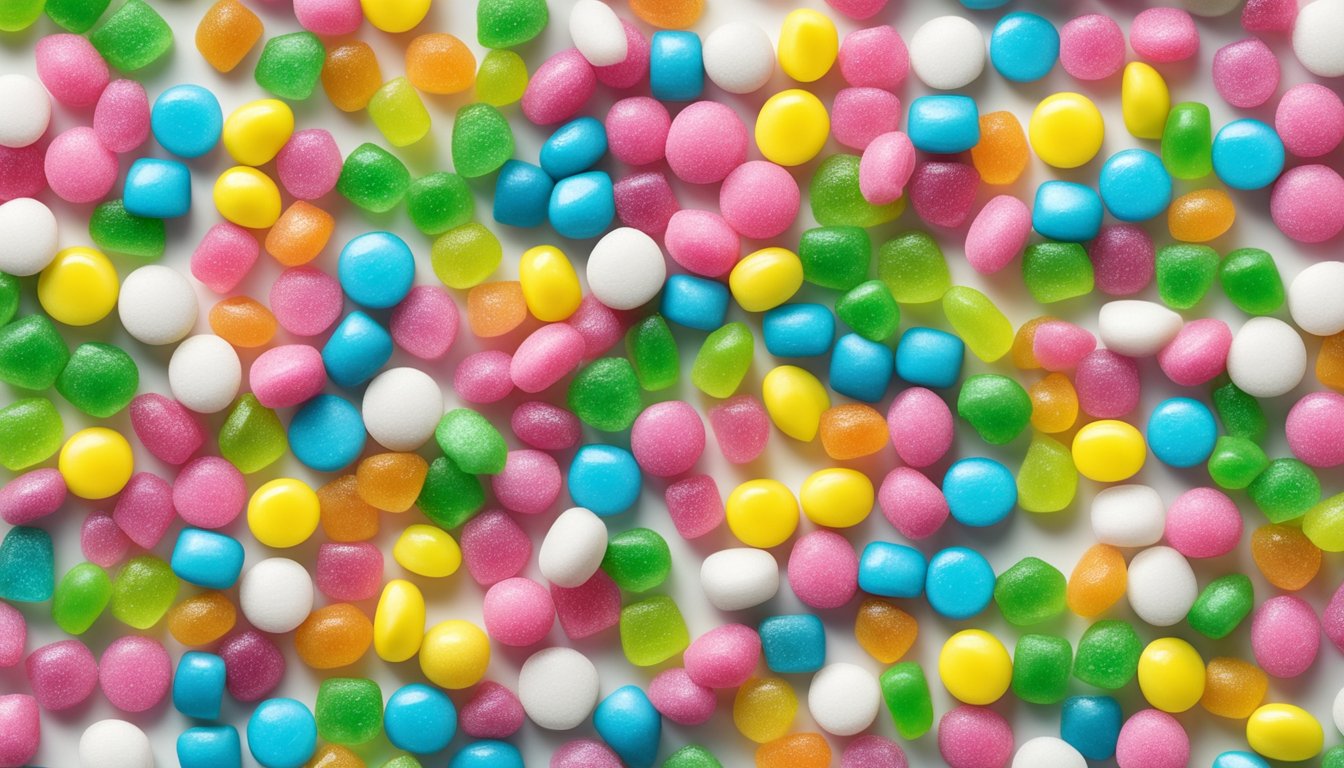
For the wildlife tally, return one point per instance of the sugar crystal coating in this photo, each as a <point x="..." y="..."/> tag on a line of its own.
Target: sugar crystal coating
<point x="62" y="675"/>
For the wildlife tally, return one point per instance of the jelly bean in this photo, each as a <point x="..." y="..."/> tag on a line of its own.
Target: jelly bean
<point x="795" y="400"/>
<point x="1223" y="604"/>
<point x="1284" y="732"/>
<point x="980" y="324"/>
<point x="1233" y="688"/>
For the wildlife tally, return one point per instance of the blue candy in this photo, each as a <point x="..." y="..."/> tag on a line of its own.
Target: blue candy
<point x="1181" y="432"/>
<point x="281" y="734"/>
<point x="487" y="754"/>
<point x="960" y="583"/>
<point x="27" y="565"/>
<point x="980" y="492"/>
<point x="419" y="719"/>
<point x="860" y="368"/>
<point x="157" y="189"/>
<point x="356" y="350"/>
<point x="944" y="123"/>
<point x="929" y="357"/>
<point x="892" y="570"/>
<point x="1091" y="725"/>
<point x="1023" y="47"/>
<point x="627" y="721"/>
<point x="207" y="558"/>
<point x="794" y="644"/>
<point x="186" y="120"/>
<point x="213" y="747"/>
<point x="1247" y="154"/>
<point x="1134" y="184"/>
<point x="983" y="5"/>
<point x="198" y="685"/>
<point x="327" y="433"/>
<point x="1239" y="759"/>
<point x="1066" y="211"/>
<point x="376" y="269"/>
<point x="605" y="479"/>
<point x="575" y="147"/>
<point x="676" y="66"/>
<point x="798" y="330"/>
<point x="582" y="206"/>
<point x="522" y="194"/>
<point x="695" y="302"/>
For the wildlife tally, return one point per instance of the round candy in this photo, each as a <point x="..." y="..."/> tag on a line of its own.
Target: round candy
<point x="947" y="52"/>
<point x="276" y="595"/>
<point x="30" y="110"/>
<point x="79" y="287"/>
<point x="1319" y="25"/>
<point x="1181" y="432"/>
<point x="1066" y="130"/>
<point x="739" y="57"/>
<point x="1108" y="451"/>
<point x="283" y="513"/>
<point x="1024" y="47"/>
<point x="30" y="228"/>
<point x="96" y="463"/>
<point x="157" y="305"/>
<point x="975" y="667"/>
<point x="1092" y="47"/>
<point x="792" y="127"/>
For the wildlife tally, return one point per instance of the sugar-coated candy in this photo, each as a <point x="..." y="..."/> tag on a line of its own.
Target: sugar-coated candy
<point x="1041" y="666"/>
<point x="738" y="57"/>
<point x="22" y="733"/>
<point x="1198" y="353"/>
<point x="281" y="733"/>
<point x="276" y="595"/>
<point x="134" y="673"/>
<point x="518" y="612"/>
<point x="31" y="227"/>
<point x="1267" y="357"/>
<point x="71" y="69"/>
<point x="630" y="724"/>
<point x="32" y="113"/>
<point x="974" y="736"/>
<point x="1284" y="732"/>
<point x="375" y="180"/>
<point x="332" y="636"/>
<point x="558" y="688"/>
<point x="114" y="743"/>
<point x="1161" y="586"/>
<point x="705" y="142"/>
<point x="1091" y="47"/>
<point x="680" y="699"/>
<point x="62" y="674"/>
<point x="637" y="130"/>
<point x="764" y="709"/>
<point x="959" y="582"/>
<point x="1152" y="738"/>
<point x="1285" y="636"/>
<point x="78" y="167"/>
<point x="1091" y="725"/>
<point x="886" y="165"/>
<point x="932" y="54"/>
<point x="1233" y="688"/>
<point x="492" y="712"/>
<point x="573" y="548"/>
<point x="1107" y="655"/>
<point x="942" y="193"/>
<point x="645" y="201"/>
<point x="759" y="199"/>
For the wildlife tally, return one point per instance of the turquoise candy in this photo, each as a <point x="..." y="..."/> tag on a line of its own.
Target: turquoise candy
<point x="27" y="565"/>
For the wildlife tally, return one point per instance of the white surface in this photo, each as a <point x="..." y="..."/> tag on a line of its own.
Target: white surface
<point x="1058" y="538"/>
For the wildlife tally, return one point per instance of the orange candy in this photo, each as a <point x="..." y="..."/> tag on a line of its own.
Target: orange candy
<point x="391" y="481"/>
<point x="797" y="750"/>
<point x="440" y="63"/>
<point x="243" y="322"/>
<point x="1233" y="688"/>
<point x="1285" y="556"/>
<point x="1097" y="582"/>
<point x="226" y="33"/>
<point x="202" y="619"/>
<point x="852" y="431"/>
<point x="1330" y="361"/>
<point x="1054" y="404"/>
<point x="884" y="631"/>
<point x="668" y="14"/>
<point x="1023" y="351"/>
<point x="332" y="636"/>
<point x="1201" y="216"/>
<point x="494" y="309"/>
<point x="344" y="515"/>
<point x="335" y="756"/>
<point x="1002" y="154"/>
<point x="351" y="75"/>
<point x="300" y="234"/>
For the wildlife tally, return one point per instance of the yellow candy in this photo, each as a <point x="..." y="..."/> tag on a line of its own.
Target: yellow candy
<point x="427" y="550"/>
<point x="454" y="654"/>
<point x="464" y="257"/>
<point x="975" y="667"/>
<point x="792" y="127"/>
<point x="1284" y="732"/>
<point x="399" y="621"/>
<point x="501" y="79"/>
<point x="399" y="113"/>
<point x="986" y="330"/>
<point x="808" y="44"/>
<point x="762" y="513"/>
<point x="96" y="463"/>
<point x="1144" y="101"/>
<point x="1171" y="674"/>
<point x="795" y="401"/>
<point x="837" y="497"/>
<point x="283" y="513"/>
<point x="1066" y="130"/>
<point x="764" y="708"/>
<point x="395" y="15"/>
<point x="550" y="284"/>
<point x="255" y="132"/>
<point x="78" y="287"/>
<point x="247" y="197"/>
<point x="1109" y="451"/>
<point x="766" y="278"/>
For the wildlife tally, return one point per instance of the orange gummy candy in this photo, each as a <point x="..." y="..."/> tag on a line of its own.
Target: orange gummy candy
<point x="668" y="14"/>
<point x="335" y="756"/>
<point x="1001" y="154"/>
<point x="351" y="75"/>
<point x="391" y="481"/>
<point x="344" y="515"/>
<point x="332" y="636"/>
<point x="226" y="33"/>
<point x="300" y="234"/>
<point x="1054" y="404"/>
<point x="494" y="309"/>
<point x="1098" y="581"/>
<point x="243" y="322"/>
<point x="797" y="750"/>
<point x="1201" y="216"/>
<point x="853" y="430"/>
<point x="202" y="619"/>
<point x="440" y="63"/>
<point x="1285" y="556"/>
<point x="1233" y="688"/>
<point x="884" y="631"/>
<point x="1330" y="362"/>
<point x="1023" y="351"/>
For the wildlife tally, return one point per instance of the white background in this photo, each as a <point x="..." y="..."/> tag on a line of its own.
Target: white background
<point x="1059" y="538"/>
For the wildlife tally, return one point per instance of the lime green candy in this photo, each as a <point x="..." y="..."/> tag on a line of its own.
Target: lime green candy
<point x="99" y="379"/>
<point x="1041" y="667"/>
<point x="16" y="15"/>
<point x="1030" y="592"/>
<point x="692" y="756"/>
<point x="114" y="229"/>
<point x="1108" y="654"/>
<point x="1047" y="480"/>
<point x="27" y="565"/>
<point x="914" y="268"/>
<point x="32" y="353"/>
<point x="1324" y="524"/>
<point x="1240" y="413"/>
<point x="653" y="631"/>
<point x="1236" y="462"/>
<point x="450" y="497"/>
<point x="1057" y="271"/>
<point x="835" y="257"/>
<point x="76" y="16"/>
<point x="995" y="406"/>
<point x="1251" y="281"/>
<point x="482" y="140"/>
<point x="605" y="394"/>
<point x="31" y="431"/>
<point x="501" y="79"/>
<point x="1285" y="490"/>
<point x="80" y="598"/>
<point x="979" y="323"/>
<point x="1222" y="606"/>
<point x="506" y="23"/>
<point x="252" y="437"/>
<point x="837" y="201"/>
<point x="906" y="693"/>
<point x="9" y="297"/>
<point x="1185" y="272"/>
<point x="723" y="360"/>
<point x="143" y="592"/>
<point x="439" y="202"/>
<point x="1187" y="141"/>
<point x="349" y="710"/>
<point x="133" y="37"/>
<point x="403" y="761"/>
<point x="472" y="442"/>
<point x="637" y="560"/>
<point x="399" y="113"/>
<point x="373" y="179"/>
<point x="466" y="256"/>
<point x="290" y="65"/>
<point x="870" y="310"/>
<point x="653" y="351"/>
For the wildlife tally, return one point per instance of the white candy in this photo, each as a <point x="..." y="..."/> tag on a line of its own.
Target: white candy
<point x="1161" y="586"/>
<point x="558" y="688"/>
<point x="597" y="33"/>
<point x="740" y="578"/>
<point x="1267" y="358"/>
<point x="573" y="548"/>
<point x="1137" y="328"/>
<point x="844" y="699"/>
<point x="1128" y="516"/>
<point x="1317" y="35"/>
<point x="948" y="52"/>
<point x="114" y="744"/>
<point x="1337" y="712"/>
<point x="27" y="111"/>
<point x="204" y="373"/>
<point x="1044" y="751"/>
<point x="739" y="57"/>
<point x="1210" y="8"/>
<point x="401" y="408"/>
<point x="276" y="595"/>
<point x="28" y="236"/>
<point x="626" y="269"/>
<point x="157" y="305"/>
<point x="1314" y="298"/>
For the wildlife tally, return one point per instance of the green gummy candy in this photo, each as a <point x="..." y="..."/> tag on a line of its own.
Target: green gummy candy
<point x="450" y="497"/>
<point x="252" y="437"/>
<point x="1285" y="490"/>
<point x="27" y="565"/>
<point x="501" y="79"/>
<point x="835" y="257"/>
<point x="1187" y="141"/>
<point x="906" y="693"/>
<point x="439" y="202"/>
<point x="723" y="360"/>
<point x="1041" y="667"/>
<point x="403" y="761"/>
<point x="1030" y="592"/>
<point x="506" y="23"/>
<point x="472" y="442"/>
<point x="653" y="352"/>
<point x="995" y="406"/>
<point x="99" y="379"/>
<point x="1185" y="272"/>
<point x="373" y="179"/>
<point x="143" y="592"/>
<point x="870" y="310"/>
<point x="9" y="297"/>
<point x="76" y="16"/>
<point x="1240" y="413"/>
<point x="1048" y="479"/>
<point x="31" y="431"/>
<point x="115" y="229"/>
<point x="605" y="394"/>
<point x="1236" y="462"/>
<point x="482" y="140"/>
<point x="1108" y="654"/>
<point x="32" y="353"/>
<point x="290" y="65"/>
<point x="653" y="631"/>
<point x="1222" y="606"/>
<point x="637" y="560"/>
<point x="349" y="710"/>
<point x="133" y="37"/>
<point x="17" y="15"/>
<point x="1057" y="271"/>
<point x="692" y="756"/>
<point x="1251" y="281"/>
<point x="1333" y="758"/>
<point x="974" y="317"/>
<point x="837" y="201"/>
<point x="80" y="598"/>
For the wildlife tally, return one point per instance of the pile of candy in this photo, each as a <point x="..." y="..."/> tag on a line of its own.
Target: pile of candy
<point x="551" y="413"/>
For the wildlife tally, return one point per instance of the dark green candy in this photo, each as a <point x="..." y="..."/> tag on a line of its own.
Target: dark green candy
<point x="373" y="179"/>
<point x="76" y="16"/>
<point x="1057" y="271"/>
<point x="653" y="352"/>
<point x="1251" y="281"/>
<point x="605" y="394"/>
<point x="637" y="560"/>
<point x="472" y="442"/>
<point x="1030" y="592"/>
<point x="9" y="297"/>
<point x="349" y="710"/>
<point x="1222" y="606"/>
<point x="870" y="310"/>
<point x="1041" y="666"/>
<point x="450" y="497"/>
<point x="116" y="230"/>
<point x="439" y="202"/>
<point x="1285" y="490"/>
<point x="99" y="379"/>
<point x="290" y="65"/>
<point x="1187" y="141"/>
<point x="1333" y="758"/>
<point x="835" y="257"/>
<point x="1108" y="654"/>
<point x="32" y="353"/>
<point x="1185" y="272"/>
<point x="995" y="406"/>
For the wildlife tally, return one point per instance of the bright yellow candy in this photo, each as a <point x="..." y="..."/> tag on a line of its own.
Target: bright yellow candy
<point x="399" y="621"/>
<point x="766" y="278"/>
<point x="454" y="654"/>
<point x="1144" y="101"/>
<point x="255" y="132"/>
<point x="974" y="317"/>
<point x="975" y="667"/>
<point x="762" y="513"/>
<point x="399" y="113"/>
<point x="837" y="497"/>
<point x="427" y="550"/>
<point x="550" y="284"/>
<point x="96" y="463"/>
<point x="1324" y="524"/>
<point x="78" y="287"/>
<point x="1171" y="674"/>
<point x="247" y="197"/>
<point x="283" y="513"/>
<point x="1109" y="451"/>
<point x="395" y="15"/>
<point x="795" y="401"/>
<point x="764" y="708"/>
<point x="1066" y="130"/>
<point x="808" y="44"/>
<point x="1284" y="732"/>
<point x="792" y="127"/>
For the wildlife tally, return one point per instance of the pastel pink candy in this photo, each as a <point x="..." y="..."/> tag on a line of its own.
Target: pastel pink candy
<point x="702" y="242"/>
<point x="32" y="496"/>
<point x="872" y="751"/>
<point x="121" y="117"/>
<point x="942" y="193"/>
<point x="724" y="657"/>
<point x="1285" y="636"/>
<point x="1123" y="260"/>
<point x="1309" y="119"/>
<point x="492" y="712"/>
<point x="600" y="325"/>
<point x="546" y="356"/>
<point x="1091" y="47"/>
<point x="1059" y="345"/>
<point x="1315" y="429"/>
<point x="859" y="115"/>
<point x="694" y="505"/>
<point x="667" y="438"/>
<point x="425" y="322"/>
<point x="209" y="492"/>
<point x="1198" y="354"/>
<point x="823" y="569"/>
<point x="885" y="168"/>
<point x="1302" y="203"/>
<point x="545" y="426"/>
<point x="875" y="57"/>
<point x="483" y="377"/>
<point x="494" y="547"/>
<point x="975" y="737"/>
<point x="628" y="73"/>
<point x="62" y="675"/>
<point x="349" y="571"/>
<point x="287" y="375"/>
<point x="135" y="673"/>
<point x="71" y="69"/>
<point x="530" y="482"/>
<point x="20" y="729"/>
<point x="911" y="502"/>
<point x="1203" y="522"/>
<point x="329" y="17"/>
<point x="741" y="427"/>
<point x="921" y="427"/>
<point x="1152" y="739"/>
<point x="997" y="234"/>
<point x="1332" y="619"/>
<point x="1246" y="73"/>
<point x="858" y="9"/>
<point x="79" y="168"/>
<point x="637" y="130"/>
<point x="706" y="142"/>
<point x="22" y="172"/>
<point x="166" y="428"/>
<point x="1107" y="384"/>
<point x="680" y="699"/>
<point x="310" y="162"/>
<point x="1164" y="35"/>
<point x="225" y="256"/>
<point x="589" y="608"/>
<point x="253" y="665"/>
<point x="559" y="89"/>
<point x="13" y="636"/>
<point x="759" y="200"/>
<point x="646" y="202"/>
<point x="584" y="753"/>
<point x="144" y="510"/>
<point x="518" y="612"/>
<point x="306" y="300"/>
<point x="1269" y="15"/>
<point x="101" y="541"/>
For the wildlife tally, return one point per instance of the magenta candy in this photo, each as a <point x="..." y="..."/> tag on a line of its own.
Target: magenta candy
<point x="101" y="541"/>
<point x="1059" y="345"/>
<point x="885" y="168"/>
<point x="225" y="256"/>
<point x="997" y="234"/>
<point x="1246" y="73"/>
<point x="1091" y="47"/>
<point x="589" y="608"/>
<point x="584" y="753"/>
<point x="1309" y="119"/>
<point x="71" y="69"/>
<point x="680" y="699"/>
<point x="20" y="729"/>
<point x="1332" y="619"/>
<point x="724" y="657"/>
<point x="329" y="17"/>
<point x="559" y="89"/>
<point x="209" y="492"/>
<point x="631" y="72"/>
<point x="144" y="510"/>
<point x="518" y="612"/>
<point x="530" y="482"/>
<point x="706" y="142"/>
<point x="975" y="737"/>
<point x="875" y="57"/>
<point x="702" y="242"/>
<point x="637" y="130"/>
<point x="545" y="357"/>
<point x="32" y="496"/>
<point x="1198" y="354"/>
<point x="921" y="427"/>
<point x="545" y="426"/>
<point x="253" y="665"/>
<point x="349" y="571"/>
<point x="646" y="202"/>
<point x="759" y="200"/>
<point x="22" y="171"/>
<point x="1203" y="522"/>
<point x="1303" y="203"/>
<point x="1152" y="739"/>
<point x="1164" y="35"/>
<point x="860" y="115"/>
<point x="1285" y="636"/>
<point x="1269" y="15"/>
<point x="483" y="377"/>
<point x="872" y="751"/>
<point x="741" y="427"/>
<point x="306" y="300"/>
<point x="121" y="117"/>
<point x="1315" y="429"/>
<point x="667" y="438"/>
<point x="858" y="9"/>
<point x="1123" y="260"/>
<point x="494" y="547"/>
<point x="694" y="505"/>
<point x="310" y="162"/>
<point x="287" y="375"/>
<point x="823" y="569"/>
<point x="13" y="636"/>
<point x="79" y="168"/>
<point x="425" y="322"/>
<point x="135" y="673"/>
<point x="166" y="428"/>
<point x="492" y="712"/>
<point x="942" y="193"/>
<point x="1107" y="384"/>
<point x="62" y="675"/>
<point x="911" y="502"/>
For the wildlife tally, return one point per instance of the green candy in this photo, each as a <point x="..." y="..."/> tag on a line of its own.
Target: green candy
<point x="9" y="297"/>
<point x="252" y="437"/>
<point x="116" y="230"/>
<point x="143" y="592"/>
<point x="1222" y="606"/>
<point x="133" y="37"/>
<point x="906" y="693"/>
<point x="349" y="710"/>
<point x="914" y="268"/>
<point x="723" y="360"/>
<point x="482" y="140"/>
<point x="653" y="351"/>
<point x="27" y="565"/>
<point x="692" y="756"/>
<point x="1030" y="592"/>
<point x="1108" y="654"/>
<point x="290" y="65"/>
<point x="1240" y="413"/>
<point x="653" y="631"/>
<point x="1251" y="281"/>
<point x="450" y="497"/>
<point x="870" y="310"/>
<point x="32" y="353"/>
<point x="439" y="202"/>
<point x="1285" y="490"/>
<point x="637" y="560"/>
<point x="403" y="761"/>
<point x="99" y="380"/>
<point x="835" y="257"/>
<point x="1187" y="141"/>
<point x="837" y="201"/>
<point x="506" y="23"/>
<point x="1333" y="758"/>
<point x="1057" y="271"/>
<point x="1047" y="481"/>
<point x="502" y="78"/>
<point x="17" y="15"/>
<point x="80" y="598"/>
<point x="1185" y="272"/>
<point x="373" y="179"/>
<point x="76" y="16"/>
<point x="995" y="406"/>
<point x="1236" y="462"/>
<point x="31" y="431"/>
<point x="605" y="394"/>
<point x="1041" y="666"/>
<point x="472" y="442"/>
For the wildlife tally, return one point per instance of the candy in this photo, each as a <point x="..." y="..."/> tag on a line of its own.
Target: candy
<point x="739" y="57"/>
<point x="419" y="719"/>
<point x="653" y="352"/>
<point x="973" y="736"/>
<point x="1315" y="25"/>
<point x="646" y="202"/>
<point x="1030" y="592"/>
<point x="71" y="69"/>
<point x="694" y="505"/>
<point x="906" y="694"/>
<point x="705" y="143"/>
<point x="605" y="394"/>
<point x="844" y="699"/>
<point x="62" y="674"/>
<point x="1065" y="130"/>
<point x="226" y="34"/>
<point x="1091" y="47"/>
<point x="1203" y="523"/>
<point x="1107" y="655"/>
<point x="133" y="37"/>
<point x="626" y="269"/>
<point x="1152" y="738"/>
<point x="1041" y="665"/>
<point x="980" y="324"/>
<point x="462" y="258"/>
<point x="391" y="481"/>
<point x="1023" y="47"/>
<point x="134" y="673"/>
<point x="1285" y="636"/>
<point x="680" y="699"/>
<point x="333" y="636"/>
<point x="1233" y="688"/>
<point x="109" y="743"/>
<point x="887" y="162"/>
<point x="764" y="709"/>
<point x="22" y="728"/>
<point x="558" y="688"/>
<point x="942" y="193"/>
<point x="1283" y="731"/>
<point x="932" y="53"/>
<point x="738" y="578"/>
<point x="759" y="199"/>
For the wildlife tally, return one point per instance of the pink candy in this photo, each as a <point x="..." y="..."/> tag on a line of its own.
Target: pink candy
<point x="1107" y="384"/>
<point x="942" y="193"/>
<point x="1332" y="619"/>
<point x="545" y="426"/>
<point x="79" y="168"/>
<point x="20" y="729"/>
<point x="646" y="202"/>
<point x="225" y="256"/>
<point x="1091" y="47"/>
<point x="1309" y="119"/>
<point x="545" y="357"/>
<point x="530" y="483"/>
<point x="71" y="69"/>
<point x="21" y="171"/>
<point x="1123" y="260"/>
<point x="667" y="438"/>
<point x="484" y="377"/>
<point x="209" y="492"/>
<point x="310" y="162"/>
<point x="630" y="72"/>
<point x="144" y="510"/>
<point x="166" y="428"/>
<point x="589" y="608"/>
<point x="637" y="130"/>
<point x="584" y="753"/>
<point x="997" y="235"/>
<point x="600" y="325"/>
<point x="329" y="17"/>
<point x="559" y="89"/>
<point x="1303" y="203"/>
<point x="682" y="700"/>
<point x="759" y="200"/>
<point x="305" y="300"/>
<point x="1285" y="636"/>
<point x="741" y="427"/>
<point x="823" y="569"/>
<point x="13" y="636"/>
<point x="253" y="665"/>
<point x="975" y="737"/>
<point x="875" y="57"/>
<point x="859" y="115"/>
<point x="425" y="322"/>
<point x="1315" y="429"/>
<point x="1269" y="15"/>
<point x="858" y="9"/>
<point x="694" y="505"/>
<point x="921" y="426"/>
<point x="724" y="657"/>
<point x="62" y="675"/>
<point x="494" y="547"/>
<point x="135" y="673"/>
<point x="885" y="167"/>
<point x="1152" y="739"/>
<point x="706" y="142"/>
<point x="911" y="502"/>
<point x="101" y="541"/>
<point x="872" y="751"/>
<point x="1203" y="522"/>
<point x="702" y="242"/>
<point x="32" y="496"/>
<point x="1164" y="35"/>
<point x="287" y="375"/>
<point x="492" y="712"/>
<point x="1246" y="73"/>
<point x="1198" y="354"/>
<point x="518" y="612"/>
<point x="121" y="118"/>
<point x="349" y="571"/>
<point x="1059" y="345"/>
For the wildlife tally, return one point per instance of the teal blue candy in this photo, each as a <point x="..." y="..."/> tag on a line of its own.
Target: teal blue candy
<point x="282" y="733"/>
<point x="27" y="565"/>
